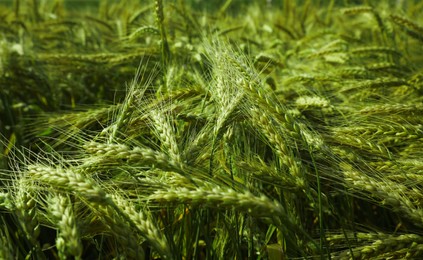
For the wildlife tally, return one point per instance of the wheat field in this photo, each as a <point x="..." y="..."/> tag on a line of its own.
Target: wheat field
<point x="196" y="130"/>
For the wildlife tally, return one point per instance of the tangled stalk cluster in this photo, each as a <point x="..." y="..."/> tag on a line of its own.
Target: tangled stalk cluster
<point x="175" y="131"/>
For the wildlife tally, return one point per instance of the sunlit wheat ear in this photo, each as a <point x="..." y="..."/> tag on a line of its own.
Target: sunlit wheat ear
<point x="162" y="126"/>
<point x="68" y="241"/>
<point x="111" y="153"/>
<point x="394" y="247"/>
<point x="402" y="171"/>
<point x="147" y="228"/>
<point x="135" y="91"/>
<point x="68" y="180"/>
<point x="382" y="133"/>
<point x="363" y="144"/>
<point x="379" y="246"/>
<point x="226" y="94"/>
<point x="275" y="137"/>
<point x="260" y="206"/>
<point x="389" y="193"/>
<point x="87" y="189"/>
<point x="26" y="211"/>
<point x="311" y="102"/>
<point x="248" y="84"/>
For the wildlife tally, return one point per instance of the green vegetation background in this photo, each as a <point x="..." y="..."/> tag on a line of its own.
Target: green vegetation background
<point x="211" y="129"/>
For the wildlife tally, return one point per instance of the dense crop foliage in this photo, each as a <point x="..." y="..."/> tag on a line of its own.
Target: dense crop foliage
<point x="185" y="130"/>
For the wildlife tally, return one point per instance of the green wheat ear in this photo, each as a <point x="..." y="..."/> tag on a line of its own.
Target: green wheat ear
<point x="411" y="28"/>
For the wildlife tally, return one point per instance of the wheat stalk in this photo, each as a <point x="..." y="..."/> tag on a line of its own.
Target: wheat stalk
<point x="7" y="251"/>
